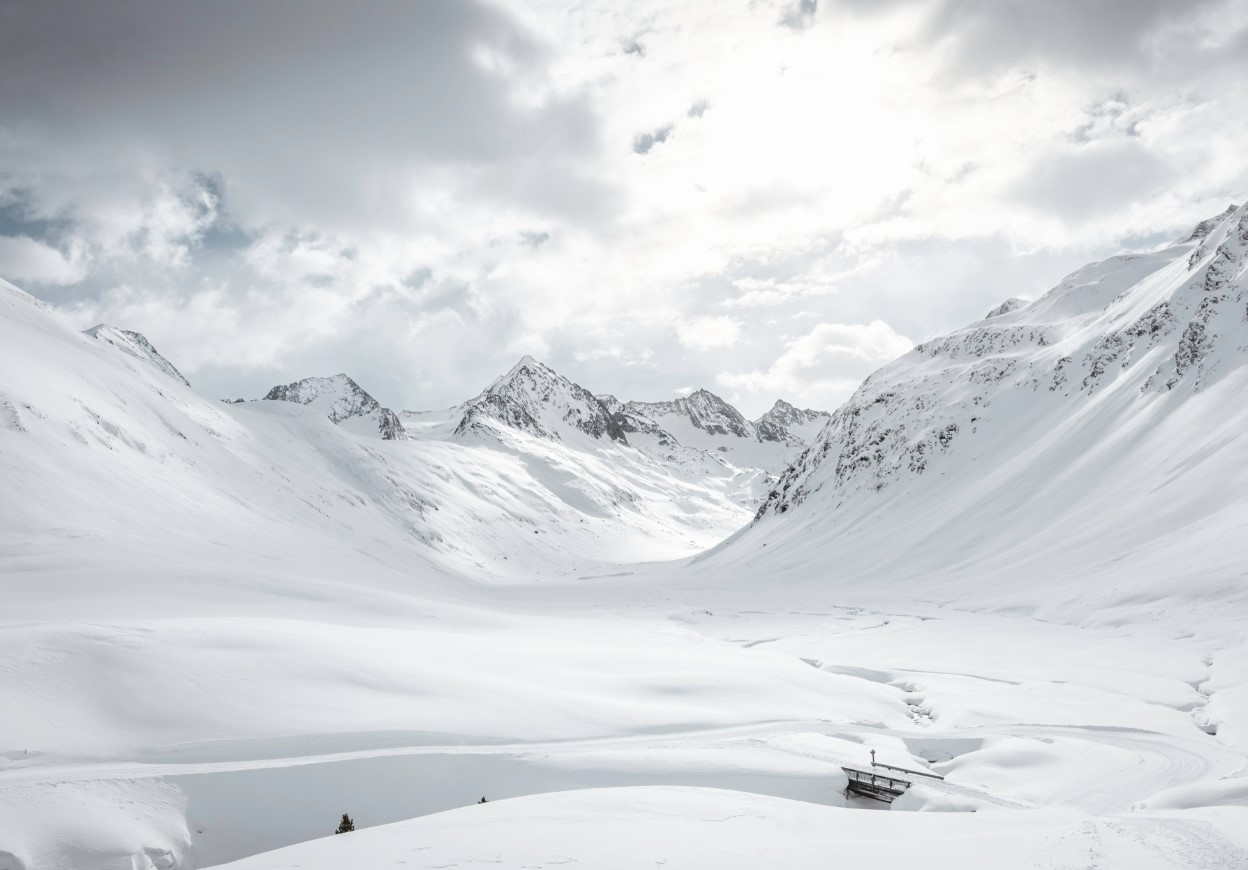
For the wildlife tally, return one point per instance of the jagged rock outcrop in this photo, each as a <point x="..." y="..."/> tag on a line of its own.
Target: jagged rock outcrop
<point x="343" y="401"/>
<point x="136" y="345"/>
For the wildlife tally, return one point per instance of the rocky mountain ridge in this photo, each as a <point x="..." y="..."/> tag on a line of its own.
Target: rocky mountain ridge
<point x="701" y="427"/>
<point x="342" y="400"/>
<point x="535" y="399"/>
<point x="784" y="421"/>
<point x="1126" y="330"/>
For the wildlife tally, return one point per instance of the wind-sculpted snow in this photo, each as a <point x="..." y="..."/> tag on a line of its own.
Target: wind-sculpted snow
<point x="136" y="345"/>
<point x="342" y="400"/>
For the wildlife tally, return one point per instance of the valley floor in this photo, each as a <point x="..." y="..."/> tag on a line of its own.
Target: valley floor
<point x="595" y="713"/>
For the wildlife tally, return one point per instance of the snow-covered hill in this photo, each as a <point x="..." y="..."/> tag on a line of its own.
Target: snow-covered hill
<point x="136" y="345"/>
<point x="344" y="402"/>
<point x="1085" y="447"/>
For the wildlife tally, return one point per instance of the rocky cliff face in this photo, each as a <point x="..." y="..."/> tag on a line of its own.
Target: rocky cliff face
<point x="344" y="402"/>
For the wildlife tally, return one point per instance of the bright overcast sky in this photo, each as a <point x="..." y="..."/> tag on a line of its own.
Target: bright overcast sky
<point x="767" y="199"/>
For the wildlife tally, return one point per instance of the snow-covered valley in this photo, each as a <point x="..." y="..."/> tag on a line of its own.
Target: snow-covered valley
<point x="647" y="632"/>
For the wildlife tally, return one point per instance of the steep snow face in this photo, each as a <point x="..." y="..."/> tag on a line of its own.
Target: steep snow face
<point x="136" y="345"/>
<point x="534" y="399"/>
<point x="784" y="419"/>
<point x="345" y="403"/>
<point x="1105" y="418"/>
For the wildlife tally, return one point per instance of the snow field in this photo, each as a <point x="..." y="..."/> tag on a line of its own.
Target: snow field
<point x="712" y="829"/>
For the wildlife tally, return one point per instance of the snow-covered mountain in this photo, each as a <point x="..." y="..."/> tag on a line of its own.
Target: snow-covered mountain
<point x="715" y="442"/>
<point x="344" y="402"/>
<point x="136" y="345"/>
<point x="1090" y="433"/>
<point x="784" y="420"/>
<point x="704" y="421"/>
<point x="534" y="399"/>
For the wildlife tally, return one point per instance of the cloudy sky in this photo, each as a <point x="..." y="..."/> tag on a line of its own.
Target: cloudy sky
<point x="768" y="198"/>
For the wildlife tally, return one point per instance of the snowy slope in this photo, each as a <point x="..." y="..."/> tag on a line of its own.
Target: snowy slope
<point x="1083" y="450"/>
<point x="716" y="829"/>
<point x="136" y="345"/>
<point x="343" y="401"/>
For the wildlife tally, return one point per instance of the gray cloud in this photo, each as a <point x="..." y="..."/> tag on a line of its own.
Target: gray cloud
<point x="306" y="108"/>
<point x="990" y="34"/>
<point x="1078" y="182"/>
<point x="801" y="15"/>
<point x="645" y="141"/>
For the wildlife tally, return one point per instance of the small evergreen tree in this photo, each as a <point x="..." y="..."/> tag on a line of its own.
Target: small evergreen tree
<point x="346" y="825"/>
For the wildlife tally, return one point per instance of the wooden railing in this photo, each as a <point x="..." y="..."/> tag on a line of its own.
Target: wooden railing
<point x="879" y="786"/>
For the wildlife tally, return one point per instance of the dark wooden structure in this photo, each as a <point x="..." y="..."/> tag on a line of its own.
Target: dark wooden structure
<point x="879" y="786"/>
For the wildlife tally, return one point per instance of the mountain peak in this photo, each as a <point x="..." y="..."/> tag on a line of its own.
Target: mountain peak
<point x="533" y="398"/>
<point x="527" y="362"/>
<point x="135" y="344"/>
<point x="1205" y="227"/>
<point x="1012" y="304"/>
<point x="342" y="400"/>
<point x="788" y="421"/>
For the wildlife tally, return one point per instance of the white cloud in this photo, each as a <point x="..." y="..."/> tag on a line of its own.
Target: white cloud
<point x="709" y="333"/>
<point x="23" y="259"/>
<point x="822" y="368"/>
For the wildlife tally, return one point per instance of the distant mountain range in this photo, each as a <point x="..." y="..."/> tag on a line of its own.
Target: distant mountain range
<point x="535" y="400"/>
<point x="1040" y="442"/>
